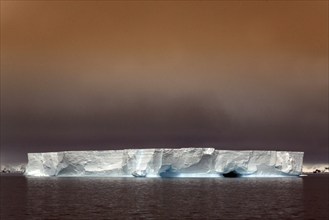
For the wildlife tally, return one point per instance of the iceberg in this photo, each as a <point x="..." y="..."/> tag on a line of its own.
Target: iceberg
<point x="165" y="162"/>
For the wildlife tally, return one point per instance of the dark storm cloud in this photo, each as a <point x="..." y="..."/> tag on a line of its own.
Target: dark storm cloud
<point x="109" y="75"/>
<point x="187" y="116"/>
<point x="184" y="121"/>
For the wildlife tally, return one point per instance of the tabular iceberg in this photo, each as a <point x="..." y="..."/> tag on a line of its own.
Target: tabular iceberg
<point x="182" y="162"/>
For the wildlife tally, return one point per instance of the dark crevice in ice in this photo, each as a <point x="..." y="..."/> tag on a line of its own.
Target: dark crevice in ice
<point x="232" y="174"/>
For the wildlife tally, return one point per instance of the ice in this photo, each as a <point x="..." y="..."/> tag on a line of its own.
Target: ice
<point x="180" y="162"/>
<point x="12" y="168"/>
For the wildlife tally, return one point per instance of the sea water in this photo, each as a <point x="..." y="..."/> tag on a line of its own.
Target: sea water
<point x="164" y="198"/>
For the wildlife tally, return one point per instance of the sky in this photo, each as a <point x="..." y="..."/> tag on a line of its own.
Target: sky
<point x="96" y="75"/>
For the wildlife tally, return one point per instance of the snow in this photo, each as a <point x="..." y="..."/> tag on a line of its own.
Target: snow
<point x="12" y="168"/>
<point x="181" y="162"/>
<point x="310" y="168"/>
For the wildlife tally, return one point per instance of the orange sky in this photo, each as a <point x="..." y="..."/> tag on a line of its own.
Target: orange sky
<point x="122" y="73"/>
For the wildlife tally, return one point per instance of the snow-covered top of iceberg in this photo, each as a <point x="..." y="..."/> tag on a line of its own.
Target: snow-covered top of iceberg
<point x="181" y="162"/>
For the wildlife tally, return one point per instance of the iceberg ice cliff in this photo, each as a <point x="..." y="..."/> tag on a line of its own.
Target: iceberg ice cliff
<point x="182" y="162"/>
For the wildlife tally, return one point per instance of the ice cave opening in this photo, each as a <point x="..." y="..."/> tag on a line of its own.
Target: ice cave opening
<point x="232" y="174"/>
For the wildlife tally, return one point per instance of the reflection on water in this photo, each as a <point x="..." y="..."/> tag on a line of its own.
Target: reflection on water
<point x="184" y="198"/>
<point x="156" y="198"/>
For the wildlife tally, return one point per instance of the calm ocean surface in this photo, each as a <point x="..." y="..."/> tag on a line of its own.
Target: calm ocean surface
<point x="156" y="198"/>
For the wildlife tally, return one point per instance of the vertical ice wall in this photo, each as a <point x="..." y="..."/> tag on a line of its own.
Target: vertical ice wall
<point x="165" y="163"/>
